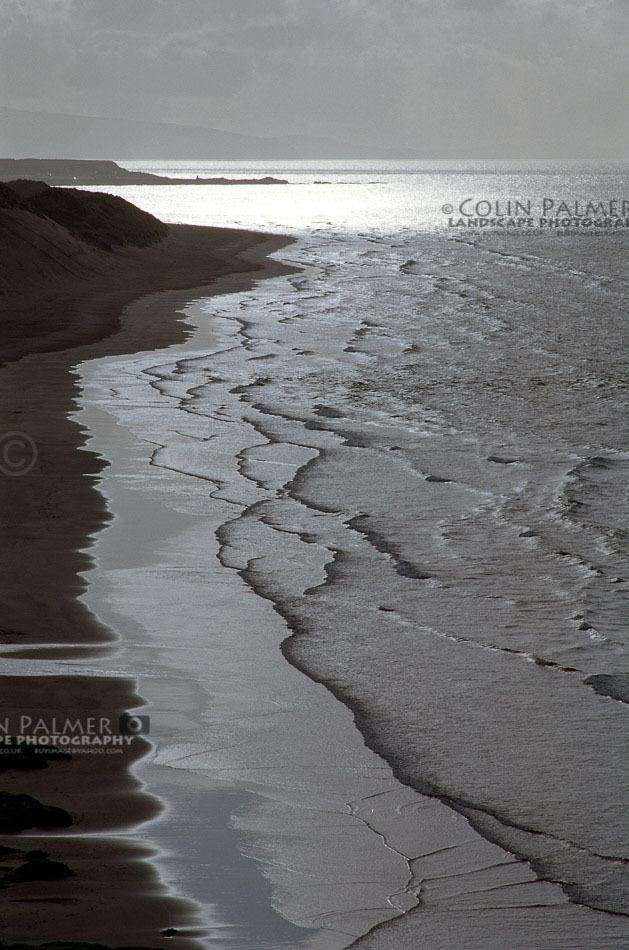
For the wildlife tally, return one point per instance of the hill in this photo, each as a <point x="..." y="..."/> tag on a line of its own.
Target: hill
<point x="50" y="135"/>
<point x="99" y="219"/>
<point x="71" y="259"/>
<point x="73" y="171"/>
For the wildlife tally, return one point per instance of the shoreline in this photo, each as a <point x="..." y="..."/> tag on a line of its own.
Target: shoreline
<point x="53" y="512"/>
<point x="86" y="300"/>
<point x="55" y="490"/>
<point x="404" y="920"/>
<point x="227" y="738"/>
<point x="257" y="326"/>
<point x="255" y="729"/>
<point x="86" y="172"/>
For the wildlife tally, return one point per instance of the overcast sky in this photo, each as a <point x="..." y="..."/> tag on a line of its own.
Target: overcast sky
<point x="519" y="76"/>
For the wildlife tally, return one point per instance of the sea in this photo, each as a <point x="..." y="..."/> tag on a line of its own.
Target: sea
<point x="413" y="454"/>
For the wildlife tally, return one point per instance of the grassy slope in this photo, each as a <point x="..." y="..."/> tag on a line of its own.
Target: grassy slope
<point x="99" y="219"/>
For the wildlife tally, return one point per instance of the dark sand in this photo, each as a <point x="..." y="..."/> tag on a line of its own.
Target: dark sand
<point x="62" y="301"/>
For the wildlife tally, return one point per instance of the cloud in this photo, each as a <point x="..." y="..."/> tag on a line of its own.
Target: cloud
<point x="498" y="72"/>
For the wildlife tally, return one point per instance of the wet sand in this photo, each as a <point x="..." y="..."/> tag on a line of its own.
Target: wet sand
<point x="109" y="871"/>
<point x="269" y="765"/>
<point x="256" y="756"/>
<point x="49" y="515"/>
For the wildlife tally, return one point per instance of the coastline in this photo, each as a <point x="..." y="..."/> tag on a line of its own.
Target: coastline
<point x="82" y="172"/>
<point x="52" y="512"/>
<point x="86" y="298"/>
<point x="180" y="421"/>
<point x="52" y="653"/>
<point x="40" y="393"/>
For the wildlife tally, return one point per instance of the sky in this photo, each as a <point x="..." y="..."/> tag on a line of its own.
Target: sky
<point x="512" y="77"/>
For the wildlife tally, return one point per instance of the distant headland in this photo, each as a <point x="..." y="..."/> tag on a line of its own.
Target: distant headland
<point x="62" y="171"/>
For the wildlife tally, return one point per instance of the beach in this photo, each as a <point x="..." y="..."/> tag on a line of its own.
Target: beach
<point x="49" y="517"/>
<point x="314" y="468"/>
<point x="361" y="574"/>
